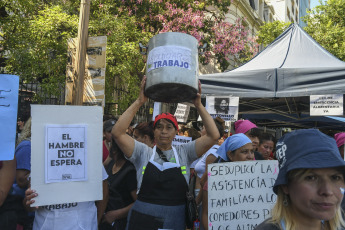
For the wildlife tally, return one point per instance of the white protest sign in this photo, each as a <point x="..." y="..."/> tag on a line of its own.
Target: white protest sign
<point x="224" y="107"/>
<point x="326" y="105"/>
<point x="179" y="140"/>
<point x="66" y="128"/>
<point x="182" y="112"/>
<point x="9" y="85"/>
<point x="173" y="56"/>
<point x="240" y="194"/>
<point x="66" y="153"/>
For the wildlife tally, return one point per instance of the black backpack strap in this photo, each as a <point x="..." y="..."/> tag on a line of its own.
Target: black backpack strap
<point x="161" y="154"/>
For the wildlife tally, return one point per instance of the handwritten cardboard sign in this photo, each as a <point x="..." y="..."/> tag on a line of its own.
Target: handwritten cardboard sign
<point x="9" y="85"/>
<point x="56" y="131"/>
<point x="240" y="194"/>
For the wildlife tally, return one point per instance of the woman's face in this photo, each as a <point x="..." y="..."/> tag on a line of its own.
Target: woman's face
<point x="164" y="132"/>
<point x="223" y="105"/>
<point x="255" y="140"/>
<point x="266" y="148"/>
<point x="316" y="196"/>
<point x="245" y="153"/>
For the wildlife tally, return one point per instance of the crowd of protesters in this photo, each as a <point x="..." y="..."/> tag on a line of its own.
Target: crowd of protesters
<point x="145" y="177"/>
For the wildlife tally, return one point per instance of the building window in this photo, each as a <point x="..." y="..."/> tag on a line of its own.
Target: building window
<point x="252" y="3"/>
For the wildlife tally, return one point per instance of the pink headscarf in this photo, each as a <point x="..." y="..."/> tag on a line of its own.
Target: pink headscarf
<point x="242" y="126"/>
<point x="340" y="139"/>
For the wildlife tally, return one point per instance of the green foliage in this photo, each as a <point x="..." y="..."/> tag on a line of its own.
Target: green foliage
<point x="34" y="37"/>
<point x="125" y="64"/>
<point x="326" y="24"/>
<point x="36" y="46"/>
<point x="270" y="31"/>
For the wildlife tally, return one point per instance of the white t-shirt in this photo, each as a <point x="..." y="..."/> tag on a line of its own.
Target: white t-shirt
<point x="200" y="166"/>
<point x="142" y="154"/>
<point x="71" y="216"/>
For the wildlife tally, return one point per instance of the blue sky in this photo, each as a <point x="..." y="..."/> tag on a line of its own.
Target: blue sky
<point x="314" y="3"/>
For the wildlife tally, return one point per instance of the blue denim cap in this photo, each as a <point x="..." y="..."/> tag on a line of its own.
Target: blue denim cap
<point x="305" y="149"/>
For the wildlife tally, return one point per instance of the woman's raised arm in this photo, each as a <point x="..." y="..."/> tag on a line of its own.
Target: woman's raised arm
<point x="125" y="142"/>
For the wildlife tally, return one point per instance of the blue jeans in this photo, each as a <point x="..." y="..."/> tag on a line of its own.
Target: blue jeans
<point x="173" y="216"/>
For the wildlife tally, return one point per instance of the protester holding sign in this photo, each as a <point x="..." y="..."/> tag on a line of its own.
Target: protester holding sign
<point x="165" y="169"/>
<point x="201" y="166"/>
<point x="209" y="157"/>
<point x="237" y="147"/>
<point x="310" y="184"/>
<point x="77" y="215"/>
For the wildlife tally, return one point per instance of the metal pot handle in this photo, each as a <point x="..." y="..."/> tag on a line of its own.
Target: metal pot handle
<point x="143" y="49"/>
<point x="202" y="49"/>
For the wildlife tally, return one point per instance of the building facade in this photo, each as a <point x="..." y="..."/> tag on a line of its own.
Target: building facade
<point x="290" y="10"/>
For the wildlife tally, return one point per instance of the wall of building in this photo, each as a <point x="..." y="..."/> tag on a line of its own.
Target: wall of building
<point x="303" y="7"/>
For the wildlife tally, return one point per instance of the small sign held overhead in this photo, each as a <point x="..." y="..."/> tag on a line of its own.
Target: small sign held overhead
<point x="182" y="112"/>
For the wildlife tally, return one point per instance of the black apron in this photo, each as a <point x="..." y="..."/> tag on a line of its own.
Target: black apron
<point x="161" y="185"/>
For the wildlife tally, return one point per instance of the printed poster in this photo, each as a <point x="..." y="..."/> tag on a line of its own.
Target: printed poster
<point x="9" y="85"/>
<point x="68" y="139"/>
<point x="326" y="105"/>
<point x="169" y="56"/>
<point x="223" y="106"/>
<point x="66" y="153"/>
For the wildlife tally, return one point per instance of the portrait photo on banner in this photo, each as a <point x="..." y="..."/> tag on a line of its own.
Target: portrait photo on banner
<point x="225" y="107"/>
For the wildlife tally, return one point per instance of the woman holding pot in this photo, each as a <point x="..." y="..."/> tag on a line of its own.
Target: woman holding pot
<point x="164" y="168"/>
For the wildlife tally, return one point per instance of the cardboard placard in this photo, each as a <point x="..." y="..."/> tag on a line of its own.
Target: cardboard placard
<point x="64" y="128"/>
<point x="240" y="194"/>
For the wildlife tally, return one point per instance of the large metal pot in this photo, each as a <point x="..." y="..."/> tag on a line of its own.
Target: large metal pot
<point x="172" y="67"/>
